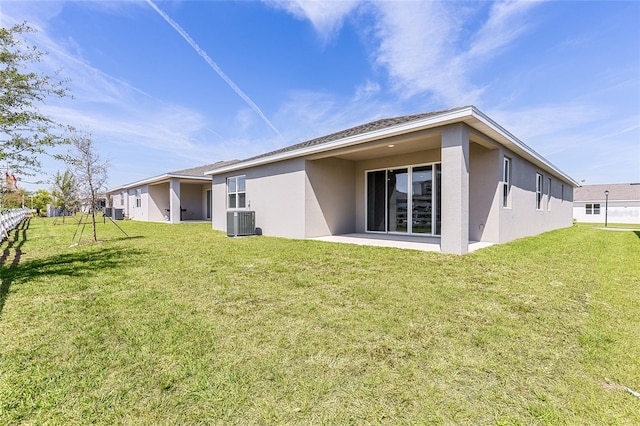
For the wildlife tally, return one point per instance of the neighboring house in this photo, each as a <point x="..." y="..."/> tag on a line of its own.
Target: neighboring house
<point x="172" y="197"/>
<point x="101" y="201"/>
<point x="622" y="205"/>
<point x="450" y="177"/>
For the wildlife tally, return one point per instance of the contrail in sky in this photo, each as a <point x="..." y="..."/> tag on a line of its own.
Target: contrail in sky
<point x="213" y="65"/>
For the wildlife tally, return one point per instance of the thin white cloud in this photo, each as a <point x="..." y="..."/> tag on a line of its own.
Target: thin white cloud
<point x="168" y="129"/>
<point x="367" y="90"/>
<point x="213" y="65"/>
<point x="326" y="17"/>
<point x="321" y="113"/>
<point x="123" y="119"/>
<point x="88" y="82"/>
<point x="507" y="21"/>
<point x="571" y="135"/>
<point x="419" y="43"/>
<point x="541" y="121"/>
<point x="416" y="45"/>
<point x="420" y="46"/>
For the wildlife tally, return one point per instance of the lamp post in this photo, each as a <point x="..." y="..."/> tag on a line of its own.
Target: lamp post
<point x="606" y="206"/>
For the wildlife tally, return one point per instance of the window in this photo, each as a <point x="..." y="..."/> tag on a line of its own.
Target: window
<point x="138" y="198"/>
<point x="506" y="181"/>
<point x="592" y="208"/>
<point x="122" y="199"/>
<point x="236" y="192"/>
<point x="538" y="191"/>
<point x="548" y="193"/>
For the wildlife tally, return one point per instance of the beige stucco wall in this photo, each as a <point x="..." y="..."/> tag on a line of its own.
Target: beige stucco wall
<point x="138" y="213"/>
<point x="361" y="167"/>
<point x="522" y="218"/>
<point x="121" y="201"/>
<point x="484" y="193"/>
<point x="275" y="191"/>
<point x="306" y="198"/>
<point x="158" y="202"/>
<point x="330" y="197"/>
<point x="219" y="195"/>
<point x="191" y="200"/>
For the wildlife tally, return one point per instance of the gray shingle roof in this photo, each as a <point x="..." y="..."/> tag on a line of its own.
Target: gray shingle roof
<point x="199" y="171"/>
<point x="354" y="131"/>
<point x="617" y="192"/>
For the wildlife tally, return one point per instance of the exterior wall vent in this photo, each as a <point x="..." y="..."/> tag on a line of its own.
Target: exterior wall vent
<point x="240" y="223"/>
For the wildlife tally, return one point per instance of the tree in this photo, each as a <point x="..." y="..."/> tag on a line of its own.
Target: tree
<point x="65" y="192"/>
<point x="40" y="199"/>
<point x="90" y="171"/>
<point x="25" y="133"/>
<point x="15" y="199"/>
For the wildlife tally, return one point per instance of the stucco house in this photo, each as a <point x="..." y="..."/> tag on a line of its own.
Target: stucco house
<point x="172" y="197"/>
<point x="449" y="177"/>
<point x="621" y="205"/>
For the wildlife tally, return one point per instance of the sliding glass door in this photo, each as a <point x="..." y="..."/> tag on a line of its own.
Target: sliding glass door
<point x="377" y="196"/>
<point x="404" y="200"/>
<point x="421" y="197"/>
<point x="397" y="201"/>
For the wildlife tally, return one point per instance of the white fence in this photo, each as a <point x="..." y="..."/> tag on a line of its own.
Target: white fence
<point x="9" y="219"/>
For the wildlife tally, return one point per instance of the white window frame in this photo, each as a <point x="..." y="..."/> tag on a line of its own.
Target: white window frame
<point x="548" y="193"/>
<point x="592" y="208"/>
<point x="434" y="200"/>
<point x="506" y="183"/>
<point x="236" y="192"/>
<point x="138" y="197"/>
<point x="539" y="182"/>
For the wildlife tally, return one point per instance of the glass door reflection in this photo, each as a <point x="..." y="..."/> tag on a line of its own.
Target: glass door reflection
<point x="422" y="200"/>
<point x="397" y="200"/>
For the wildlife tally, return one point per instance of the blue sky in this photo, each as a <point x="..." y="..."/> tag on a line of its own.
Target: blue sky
<point x="164" y="86"/>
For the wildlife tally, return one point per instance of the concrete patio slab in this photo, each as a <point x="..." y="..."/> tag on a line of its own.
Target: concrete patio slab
<point x="408" y="242"/>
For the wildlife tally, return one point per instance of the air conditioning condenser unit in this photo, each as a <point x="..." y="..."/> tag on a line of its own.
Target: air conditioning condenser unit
<point x="241" y="222"/>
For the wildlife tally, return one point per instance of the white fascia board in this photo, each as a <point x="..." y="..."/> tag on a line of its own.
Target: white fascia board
<point x="465" y="114"/>
<point x="420" y="124"/>
<point x="190" y="177"/>
<point x="116" y="189"/>
<point x="604" y="200"/>
<point x="510" y="141"/>
<point x="159" y="178"/>
<point x="142" y="182"/>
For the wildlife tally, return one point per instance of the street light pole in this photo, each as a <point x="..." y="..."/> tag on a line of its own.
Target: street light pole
<point x="606" y="206"/>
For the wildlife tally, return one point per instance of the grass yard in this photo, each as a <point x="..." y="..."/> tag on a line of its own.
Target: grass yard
<point x="633" y="226"/>
<point x="182" y="325"/>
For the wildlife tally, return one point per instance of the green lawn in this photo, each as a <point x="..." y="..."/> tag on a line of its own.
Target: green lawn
<point x="634" y="226"/>
<point x="182" y="325"/>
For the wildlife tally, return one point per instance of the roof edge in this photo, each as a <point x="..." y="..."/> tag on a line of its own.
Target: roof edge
<point x="157" y="179"/>
<point x="456" y="115"/>
<point x="446" y="117"/>
<point x="521" y="145"/>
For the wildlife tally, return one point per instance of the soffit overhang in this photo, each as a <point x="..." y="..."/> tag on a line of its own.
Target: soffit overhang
<point x="158" y="180"/>
<point x="422" y="133"/>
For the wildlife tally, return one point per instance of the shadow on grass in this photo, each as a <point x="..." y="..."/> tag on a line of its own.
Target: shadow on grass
<point x="19" y="237"/>
<point x="104" y="241"/>
<point x="73" y="264"/>
<point x="637" y="233"/>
